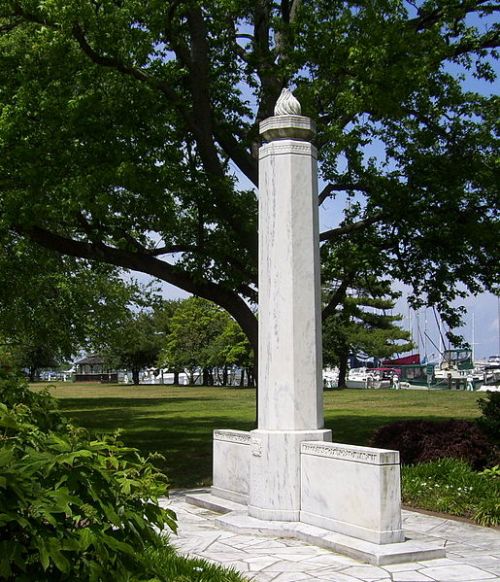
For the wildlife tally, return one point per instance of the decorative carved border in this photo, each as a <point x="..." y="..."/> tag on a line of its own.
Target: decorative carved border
<point x="346" y="453"/>
<point x="276" y="148"/>
<point x="232" y="436"/>
<point x="256" y="447"/>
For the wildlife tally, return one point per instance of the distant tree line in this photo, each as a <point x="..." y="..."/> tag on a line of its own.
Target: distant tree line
<point x="52" y="307"/>
<point x="193" y="335"/>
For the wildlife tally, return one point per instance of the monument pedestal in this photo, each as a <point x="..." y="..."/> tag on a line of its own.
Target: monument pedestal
<point x="275" y="472"/>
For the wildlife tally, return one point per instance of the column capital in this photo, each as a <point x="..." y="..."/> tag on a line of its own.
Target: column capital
<point x="296" y="127"/>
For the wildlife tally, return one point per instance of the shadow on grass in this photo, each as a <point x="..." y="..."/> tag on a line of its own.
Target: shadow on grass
<point x="183" y="434"/>
<point x="185" y="441"/>
<point x="113" y="402"/>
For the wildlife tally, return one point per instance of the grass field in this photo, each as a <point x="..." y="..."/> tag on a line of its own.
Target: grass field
<point x="178" y="421"/>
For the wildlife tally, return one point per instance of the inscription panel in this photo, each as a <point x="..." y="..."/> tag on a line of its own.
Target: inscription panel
<point x="232" y="436"/>
<point x="351" y="453"/>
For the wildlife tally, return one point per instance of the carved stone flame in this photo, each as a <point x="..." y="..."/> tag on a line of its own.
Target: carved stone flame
<point x="287" y="104"/>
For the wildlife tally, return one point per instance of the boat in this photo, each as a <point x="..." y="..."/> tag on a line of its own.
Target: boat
<point x="369" y="377"/>
<point x="490" y="375"/>
<point x="455" y="371"/>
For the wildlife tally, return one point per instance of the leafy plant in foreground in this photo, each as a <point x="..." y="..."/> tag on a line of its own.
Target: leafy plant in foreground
<point x="167" y="566"/>
<point x="71" y="507"/>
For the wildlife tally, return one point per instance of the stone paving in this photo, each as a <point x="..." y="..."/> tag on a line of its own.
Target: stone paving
<point x="472" y="552"/>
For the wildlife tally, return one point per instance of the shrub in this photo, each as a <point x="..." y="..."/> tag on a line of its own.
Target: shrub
<point x="71" y="506"/>
<point x="419" y="441"/>
<point x="451" y="486"/>
<point x="489" y="422"/>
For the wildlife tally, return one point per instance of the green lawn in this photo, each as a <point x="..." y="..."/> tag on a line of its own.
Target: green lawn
<point x="178" y="421"/>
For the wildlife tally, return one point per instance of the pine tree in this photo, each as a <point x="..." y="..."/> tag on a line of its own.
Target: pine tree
<point x="364" y="325"/>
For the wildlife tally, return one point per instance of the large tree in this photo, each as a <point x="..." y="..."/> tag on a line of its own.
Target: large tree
<point x="135" y="343"/>
<point x="129" y="135"/>
<point x="194" y="340"/>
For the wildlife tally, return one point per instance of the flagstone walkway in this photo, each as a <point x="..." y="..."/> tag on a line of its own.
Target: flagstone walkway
<point x="472" y="552"/>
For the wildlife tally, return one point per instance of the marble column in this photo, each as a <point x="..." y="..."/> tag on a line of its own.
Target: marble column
<point x="290" y="367"/>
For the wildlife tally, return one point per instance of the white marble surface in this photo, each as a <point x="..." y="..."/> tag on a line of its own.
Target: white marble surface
<point x="288" y="126"/>
<point x="274" y="491"/>
<point x="353" y="497"/>
<point x="352" y="490"/>
<point x="290" y="377"/>
<point x="231" y="464"/>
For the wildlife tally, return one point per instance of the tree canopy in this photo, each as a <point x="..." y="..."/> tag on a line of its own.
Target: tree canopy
<point x="135" y="343"/>
<point x="129" y="135"/>
<point x="51" y="306"/>
<point x="203" y="337"/>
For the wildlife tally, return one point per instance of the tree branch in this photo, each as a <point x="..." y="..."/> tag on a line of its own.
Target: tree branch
<point x="114" y="63"/>
<point x="265" y="67"/>
<point x="350" y="228"/>
<point x="329" y="188"/>
<point x="144" y="263"/>
<point x="426" y="20"/>
<point x="488" y="41"/>
<point x="336" y="298"/>
<point x="170" y="250"/>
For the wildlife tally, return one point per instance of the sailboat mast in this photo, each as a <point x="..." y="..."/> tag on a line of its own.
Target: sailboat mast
<point x="473" y="338"/>
<point x="498" y="320"/>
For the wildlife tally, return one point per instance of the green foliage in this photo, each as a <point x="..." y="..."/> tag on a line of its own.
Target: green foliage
<point x="195" y="326"/>
<point x="202" y="335"/>
<point x="489" y="421"/>
<point x="52" y="306"/>
<point x="129" y="135"/>
<point x="360" y="322"/>
<point x="493" y="472"/>
<point x="167" y="566"/>
<point x="71" y="505"/>
<point x="233" y="346"/>
<point x="135" y="343"/>
<point x="451" y="486"/>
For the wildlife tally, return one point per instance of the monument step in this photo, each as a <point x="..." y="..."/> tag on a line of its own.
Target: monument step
<point x="416" y="546"/>
<point x="208" y="501"/>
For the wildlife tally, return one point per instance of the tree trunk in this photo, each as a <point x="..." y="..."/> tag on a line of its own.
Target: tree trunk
<point x="343" y="357"/>
<point x="207" y="377"/>
<point x="252" y="377"/>
<point x="176" y="377"/>
<point x="32" y="373"/>
<point x="224" y="376"/>
<point x="135" y="376"/>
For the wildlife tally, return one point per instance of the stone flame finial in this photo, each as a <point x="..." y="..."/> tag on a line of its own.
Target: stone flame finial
<point x="287" y="104"/>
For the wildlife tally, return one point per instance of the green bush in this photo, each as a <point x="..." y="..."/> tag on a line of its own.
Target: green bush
<point x="71" y="506"/>
<point x="489" y="421"/>
<point x="421" y="441"/>
<point x="451" y="486"/>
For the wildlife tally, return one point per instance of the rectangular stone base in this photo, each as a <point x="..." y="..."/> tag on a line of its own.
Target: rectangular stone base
<point x="352" y="490"/>
<point x="415" y="547"/>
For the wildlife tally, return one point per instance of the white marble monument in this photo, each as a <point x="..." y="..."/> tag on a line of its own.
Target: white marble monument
<point x="290" y="408"/>
<point x="287" y="477"/>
